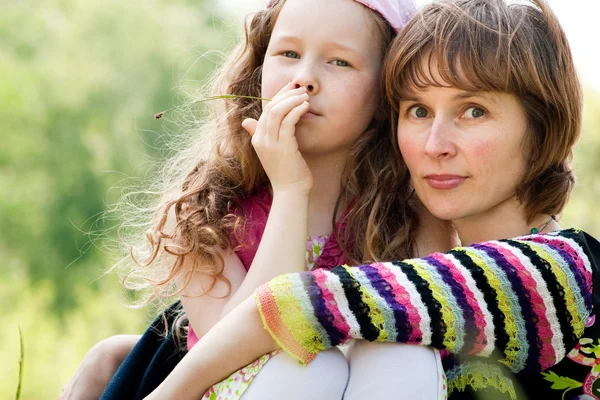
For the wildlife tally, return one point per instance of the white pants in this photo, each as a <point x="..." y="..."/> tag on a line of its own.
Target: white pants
<point x="394" y="371"/>
<point x="283" y="378"/>
<point x="372" y="371"/>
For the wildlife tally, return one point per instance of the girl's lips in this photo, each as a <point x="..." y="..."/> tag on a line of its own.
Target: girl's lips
<point x="310" y="114"/>
<point x="445" y="182"/>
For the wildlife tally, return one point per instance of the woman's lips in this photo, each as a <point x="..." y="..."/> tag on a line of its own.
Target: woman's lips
<point x="445" y="182"/>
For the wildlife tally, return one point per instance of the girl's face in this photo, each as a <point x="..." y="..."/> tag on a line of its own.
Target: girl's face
<point x="464" y="150"/>
<point x="333" y="49"/>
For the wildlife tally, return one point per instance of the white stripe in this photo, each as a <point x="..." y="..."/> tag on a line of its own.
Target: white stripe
<point x="415" y="300"/>
<point x="542" y="289"/>
<point x="309" y="312"/>
<point x="335" y="287"/>
<point x="454" y="307"/>
<point x="389" y="320"/>
<point x="489" y="329"/>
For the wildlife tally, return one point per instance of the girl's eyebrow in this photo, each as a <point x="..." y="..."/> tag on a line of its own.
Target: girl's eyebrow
<point x="286" y="37"/>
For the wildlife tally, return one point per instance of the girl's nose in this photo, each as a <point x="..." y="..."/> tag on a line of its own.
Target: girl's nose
<point x="309" y="87"/>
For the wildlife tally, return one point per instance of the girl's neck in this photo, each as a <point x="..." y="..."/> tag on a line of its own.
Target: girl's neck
<point x="506" y="220"/>
<point x="327" y="176"/>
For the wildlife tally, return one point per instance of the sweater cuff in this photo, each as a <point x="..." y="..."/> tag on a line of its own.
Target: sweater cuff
<point x="275" y="325"/>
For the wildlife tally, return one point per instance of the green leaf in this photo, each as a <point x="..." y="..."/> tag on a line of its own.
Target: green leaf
<point x="21" y="363"/>
<point x="225" y="96"/>
<point x="560" y="382"/>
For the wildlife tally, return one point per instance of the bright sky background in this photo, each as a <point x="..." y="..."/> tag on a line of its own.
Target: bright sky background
<point x="579" y="18"/>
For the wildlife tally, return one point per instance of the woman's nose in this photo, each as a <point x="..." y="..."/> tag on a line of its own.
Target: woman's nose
<point x="440" y="143"/>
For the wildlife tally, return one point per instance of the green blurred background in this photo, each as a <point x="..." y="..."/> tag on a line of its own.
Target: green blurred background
<point x="80" y="81"/>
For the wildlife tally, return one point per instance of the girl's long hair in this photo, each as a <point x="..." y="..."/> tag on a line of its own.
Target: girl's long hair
<point x="191" y="221"/>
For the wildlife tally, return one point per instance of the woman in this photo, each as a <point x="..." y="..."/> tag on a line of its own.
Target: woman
<point x="488" y="106"/>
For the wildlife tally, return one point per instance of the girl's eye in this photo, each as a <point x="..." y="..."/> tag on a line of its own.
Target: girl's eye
<point x="418" y="112"/>
<point x="291" y="54"/>
<point x="341" y="63"/>
<point x="474" y="112"/>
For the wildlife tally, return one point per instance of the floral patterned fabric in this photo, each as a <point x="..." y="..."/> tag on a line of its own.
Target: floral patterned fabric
<point x="237" y="383"/>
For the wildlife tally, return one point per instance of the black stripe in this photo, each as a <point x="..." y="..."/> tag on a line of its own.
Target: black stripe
<point x="323" y="315"/>
<point x="554" y="287"/>
<point x="358" y="307"/>
<point x="438" y="326"/>
<point x="529" y="317"/>
<point x="489" y="296"/>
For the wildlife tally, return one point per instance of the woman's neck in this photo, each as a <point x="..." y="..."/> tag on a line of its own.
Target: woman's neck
<point x="506" y="220"/>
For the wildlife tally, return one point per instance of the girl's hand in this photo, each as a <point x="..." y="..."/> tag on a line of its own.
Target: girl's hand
<point x="274" y="139"/>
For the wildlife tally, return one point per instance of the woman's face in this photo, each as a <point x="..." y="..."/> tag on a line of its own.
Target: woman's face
<point x="464" y="150"/>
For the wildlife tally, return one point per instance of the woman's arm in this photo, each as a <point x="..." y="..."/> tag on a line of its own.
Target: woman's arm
<point x="481" y="299"/>
<point x="524" y="302"/>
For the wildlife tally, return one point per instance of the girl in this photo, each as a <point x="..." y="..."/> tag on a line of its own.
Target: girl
<point x="488" y="106"/>
<point x="320" y="63"/>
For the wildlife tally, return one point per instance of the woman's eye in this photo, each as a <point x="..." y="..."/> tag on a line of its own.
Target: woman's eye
<point x="341" y="63"/>
<point x="474" y="112"/>
<point x="418" y="112"/>
<point x="291" y="54"/>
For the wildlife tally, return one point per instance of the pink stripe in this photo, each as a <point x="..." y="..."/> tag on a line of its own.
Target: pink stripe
<point x="339" y="321"/>
<point x="547" y="353"/>
<point x="565" y="246"/>
<point x="482" y="339"/>
<point x="402" y="297"/>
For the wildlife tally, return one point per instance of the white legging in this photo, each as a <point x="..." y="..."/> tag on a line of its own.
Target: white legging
<point x="371" y="370"/>
<point x="394" y="371"/>
<point x="283" y="378"/>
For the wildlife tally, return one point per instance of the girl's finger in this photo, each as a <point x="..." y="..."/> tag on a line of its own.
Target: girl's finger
<point x="250" y="125"/>
<point x="282" y="97"/>
<point x="278" y="112"/>
<point x="288" y="125"/>
<point x="284" y="93"/>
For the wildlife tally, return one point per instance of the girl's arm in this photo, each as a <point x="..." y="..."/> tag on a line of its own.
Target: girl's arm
<point x="282" y="248"/>
<point x="482" y="299"/>
<point x="204" y="298"/>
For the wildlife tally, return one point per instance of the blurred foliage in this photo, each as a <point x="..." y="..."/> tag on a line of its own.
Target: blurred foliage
<point x="80" y="82"/>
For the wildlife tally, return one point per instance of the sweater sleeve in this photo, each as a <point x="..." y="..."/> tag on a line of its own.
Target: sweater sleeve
<point x="524" y="301"/>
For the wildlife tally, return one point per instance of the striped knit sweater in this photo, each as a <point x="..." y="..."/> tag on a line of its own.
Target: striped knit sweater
<point x="523" y="302"/>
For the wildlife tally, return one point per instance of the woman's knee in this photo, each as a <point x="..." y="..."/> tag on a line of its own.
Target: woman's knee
<point x="283" y="377"/>
<point x="391" y="370"/>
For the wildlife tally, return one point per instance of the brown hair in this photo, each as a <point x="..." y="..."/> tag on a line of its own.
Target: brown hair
<point x="380" y="225"/>
<point x="489" y="45"/>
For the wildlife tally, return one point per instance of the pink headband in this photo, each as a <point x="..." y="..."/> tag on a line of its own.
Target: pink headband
<point x="396" y="12"/>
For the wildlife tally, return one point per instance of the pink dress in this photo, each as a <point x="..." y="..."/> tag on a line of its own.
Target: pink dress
<point x="322" y="251"/>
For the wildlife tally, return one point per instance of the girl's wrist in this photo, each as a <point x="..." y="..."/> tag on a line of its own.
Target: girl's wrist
<point x="292" y="192"/>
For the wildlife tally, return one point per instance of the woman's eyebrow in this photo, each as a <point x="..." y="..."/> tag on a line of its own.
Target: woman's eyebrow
<point x="481" y="94"/>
